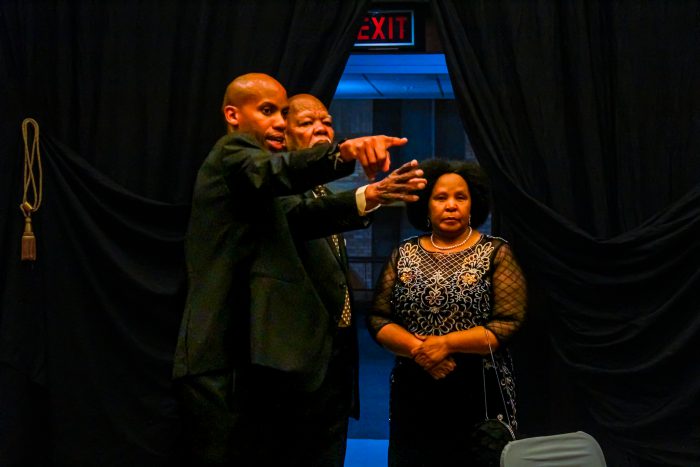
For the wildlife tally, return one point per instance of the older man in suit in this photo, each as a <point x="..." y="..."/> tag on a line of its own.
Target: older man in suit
<point x="251" y="331"/>
<point x="321" y="417"/>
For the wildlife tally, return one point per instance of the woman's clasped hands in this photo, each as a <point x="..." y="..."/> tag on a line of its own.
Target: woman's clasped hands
<point x="433" y="355"/>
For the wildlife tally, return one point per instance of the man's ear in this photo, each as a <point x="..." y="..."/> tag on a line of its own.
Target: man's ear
<point x="231" y="115"/>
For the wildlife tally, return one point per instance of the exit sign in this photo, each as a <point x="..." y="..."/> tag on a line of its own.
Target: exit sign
<point x="387" y="28"/>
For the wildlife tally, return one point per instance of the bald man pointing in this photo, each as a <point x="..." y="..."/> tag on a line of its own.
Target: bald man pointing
<point x="250" y="325"/>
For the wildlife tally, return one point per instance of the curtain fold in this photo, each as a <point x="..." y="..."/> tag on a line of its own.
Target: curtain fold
<point x="147" y="78"/>
<point x="94" y="319"/>
<point x="127" y="96"/>
<point x="585" y="115"/>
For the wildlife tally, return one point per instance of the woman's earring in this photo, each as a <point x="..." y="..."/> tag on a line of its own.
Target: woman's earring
<point x="427" y="223"/>
<point x="470" y="219"/>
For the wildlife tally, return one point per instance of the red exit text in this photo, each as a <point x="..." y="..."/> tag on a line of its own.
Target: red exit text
<point x="386" y="28"/>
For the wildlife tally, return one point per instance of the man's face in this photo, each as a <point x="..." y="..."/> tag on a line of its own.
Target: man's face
<point x="308" y="124"/>
<point x="263" y="116"/>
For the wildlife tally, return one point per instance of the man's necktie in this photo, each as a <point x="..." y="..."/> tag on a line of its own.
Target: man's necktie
<point x="336" y="239"/>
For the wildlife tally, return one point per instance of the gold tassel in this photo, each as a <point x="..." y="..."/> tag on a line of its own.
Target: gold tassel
<point x="28" y="241"/>
<point x="33" y="185"/>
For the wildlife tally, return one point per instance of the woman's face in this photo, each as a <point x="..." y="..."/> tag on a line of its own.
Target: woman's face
<point x="449" y="205"/>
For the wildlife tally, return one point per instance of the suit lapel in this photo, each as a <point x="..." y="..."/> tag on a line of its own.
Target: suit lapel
<point x="339" y="252"/>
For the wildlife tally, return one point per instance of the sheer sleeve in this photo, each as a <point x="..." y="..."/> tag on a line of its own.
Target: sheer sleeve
<point x="510" y="295"/>
<point x="380" y="313"/>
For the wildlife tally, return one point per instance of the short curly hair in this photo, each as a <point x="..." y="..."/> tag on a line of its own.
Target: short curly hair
<point x="471" y="172"/>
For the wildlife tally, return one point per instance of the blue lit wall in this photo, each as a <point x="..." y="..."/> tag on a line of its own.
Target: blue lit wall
<point x="395" y="76"/>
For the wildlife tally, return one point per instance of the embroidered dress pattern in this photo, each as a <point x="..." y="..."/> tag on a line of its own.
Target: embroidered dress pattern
<point x="438" y="293"/>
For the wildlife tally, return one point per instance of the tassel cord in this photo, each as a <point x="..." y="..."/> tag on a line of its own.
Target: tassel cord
<point x="32" y="185"/>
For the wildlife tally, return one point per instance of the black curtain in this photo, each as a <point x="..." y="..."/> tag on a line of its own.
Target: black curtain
<point x="127" y="97"/>
<point x="586" y="115"/>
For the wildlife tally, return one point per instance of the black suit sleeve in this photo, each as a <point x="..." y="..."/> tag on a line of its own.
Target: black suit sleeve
<point x="248" y="169"/>
<point x="311" y="218"/>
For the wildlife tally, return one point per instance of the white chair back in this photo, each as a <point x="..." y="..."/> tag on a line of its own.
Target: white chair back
<point x="577" y="449"/>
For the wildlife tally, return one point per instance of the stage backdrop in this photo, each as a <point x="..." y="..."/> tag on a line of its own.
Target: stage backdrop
<point x="583" y="113"/>
<point x="586" y="116"/>
<point x="127" y="97"/>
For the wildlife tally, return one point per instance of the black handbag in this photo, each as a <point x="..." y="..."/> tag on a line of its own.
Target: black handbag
<point x="489" y="437"/>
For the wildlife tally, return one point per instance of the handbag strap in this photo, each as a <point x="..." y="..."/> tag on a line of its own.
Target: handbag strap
<point x="508" y="422"/>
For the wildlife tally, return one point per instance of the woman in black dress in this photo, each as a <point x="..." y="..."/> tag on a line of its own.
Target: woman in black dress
<point x="443" y="301"/>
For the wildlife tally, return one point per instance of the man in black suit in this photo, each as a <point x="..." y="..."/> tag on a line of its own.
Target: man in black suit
<point x="321" y="417"/>
<point x="251" y="331"/>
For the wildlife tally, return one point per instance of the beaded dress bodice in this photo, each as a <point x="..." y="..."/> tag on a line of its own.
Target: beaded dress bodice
<point x="435" y="293"/>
